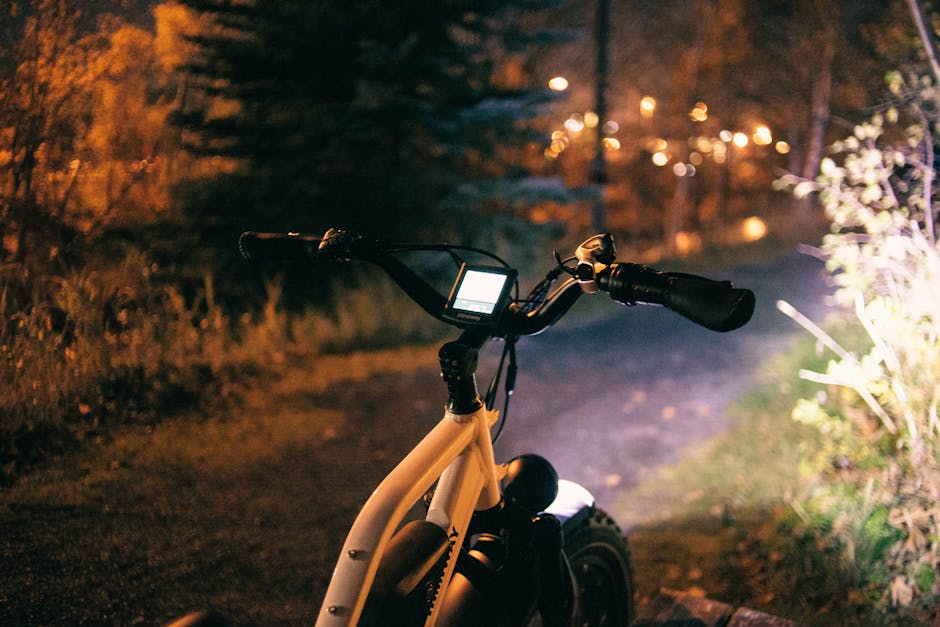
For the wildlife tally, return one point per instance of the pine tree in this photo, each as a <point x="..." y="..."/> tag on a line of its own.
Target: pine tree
<point x="362" y="113"/>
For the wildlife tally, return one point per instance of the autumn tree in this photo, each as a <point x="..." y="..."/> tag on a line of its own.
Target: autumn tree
<point x="44" y="93"/>
<point x="84" y="99"/>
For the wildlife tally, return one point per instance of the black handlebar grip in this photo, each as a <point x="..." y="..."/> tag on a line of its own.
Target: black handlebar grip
<point x="715" y="305"/>
<point x="278" y="246"/>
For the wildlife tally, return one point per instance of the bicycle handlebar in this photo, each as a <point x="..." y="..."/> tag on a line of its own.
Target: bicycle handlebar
<point x="715" y="305"/>
<point x="338" y="245"/>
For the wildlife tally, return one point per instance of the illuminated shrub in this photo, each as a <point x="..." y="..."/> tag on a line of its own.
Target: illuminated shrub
<point x="880" y="409"/>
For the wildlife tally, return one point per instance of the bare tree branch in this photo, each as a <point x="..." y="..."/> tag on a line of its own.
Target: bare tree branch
<point x="930" y="48"/>
<point x="918" y="14"/>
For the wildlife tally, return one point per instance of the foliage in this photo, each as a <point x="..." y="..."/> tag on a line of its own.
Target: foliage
<point x="88" y="352"/>
<point x="84" y="142"/>
<point x="84" y="352"/>
<point x="880" y="411"/>
<point x="338" y="118"/>
<point x="89" y="339"/>
<point x="94" y="334"/>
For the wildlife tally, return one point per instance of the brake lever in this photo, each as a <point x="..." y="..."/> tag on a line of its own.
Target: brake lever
<point x="594" y="254"/>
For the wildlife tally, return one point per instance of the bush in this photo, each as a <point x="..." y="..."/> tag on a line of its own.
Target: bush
<point x="880" y="408"/>
<point x="86" y="350"/>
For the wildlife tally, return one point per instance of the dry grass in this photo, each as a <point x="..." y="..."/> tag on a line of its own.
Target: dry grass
<point x="86" y="352"/>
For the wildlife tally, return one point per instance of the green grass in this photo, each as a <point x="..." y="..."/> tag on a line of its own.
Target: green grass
<point x="745" y="517"/>
<point x="756" y="461"/>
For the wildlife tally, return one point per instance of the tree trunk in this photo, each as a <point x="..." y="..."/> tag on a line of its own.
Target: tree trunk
<point x="820" y="112"/>
<point x="598" y="167"/>
<point x="680" y="197"/>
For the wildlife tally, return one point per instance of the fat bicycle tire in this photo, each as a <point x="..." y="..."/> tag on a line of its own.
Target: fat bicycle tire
<point x="600" y="564"/>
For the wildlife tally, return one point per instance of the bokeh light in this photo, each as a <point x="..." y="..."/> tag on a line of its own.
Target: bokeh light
<point x="559" y="83"/>
<point x="753" y="228"/>
<point x="575" y="123"/>
<point x="762" y="136"/>
<point x="687" y="242"/>
<point x="719" y="151"/>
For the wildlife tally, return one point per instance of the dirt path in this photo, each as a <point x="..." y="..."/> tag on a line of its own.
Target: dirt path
<point x="607" y="401"/>
<point x="249" y="518"/>
<point x="243" y="514"/>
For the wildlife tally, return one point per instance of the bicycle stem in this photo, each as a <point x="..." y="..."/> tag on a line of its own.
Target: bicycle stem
<point x="458" y="370"/>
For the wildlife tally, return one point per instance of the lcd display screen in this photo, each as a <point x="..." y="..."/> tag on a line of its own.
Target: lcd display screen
<point x="479" y="291"/>
<point x="479" y="295"/>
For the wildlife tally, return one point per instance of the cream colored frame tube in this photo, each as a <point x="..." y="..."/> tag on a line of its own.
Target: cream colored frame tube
<point x="459" y="452"/>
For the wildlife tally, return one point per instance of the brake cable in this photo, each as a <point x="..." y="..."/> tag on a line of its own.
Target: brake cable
<point x="536" y="298"/>
<point x="509" y="348"/>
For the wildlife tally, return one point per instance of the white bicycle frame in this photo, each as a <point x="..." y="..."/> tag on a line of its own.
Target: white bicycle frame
<point x="459" y="452"/>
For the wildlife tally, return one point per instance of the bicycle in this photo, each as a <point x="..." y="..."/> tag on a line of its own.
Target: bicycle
<point x="499" y="544"/>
